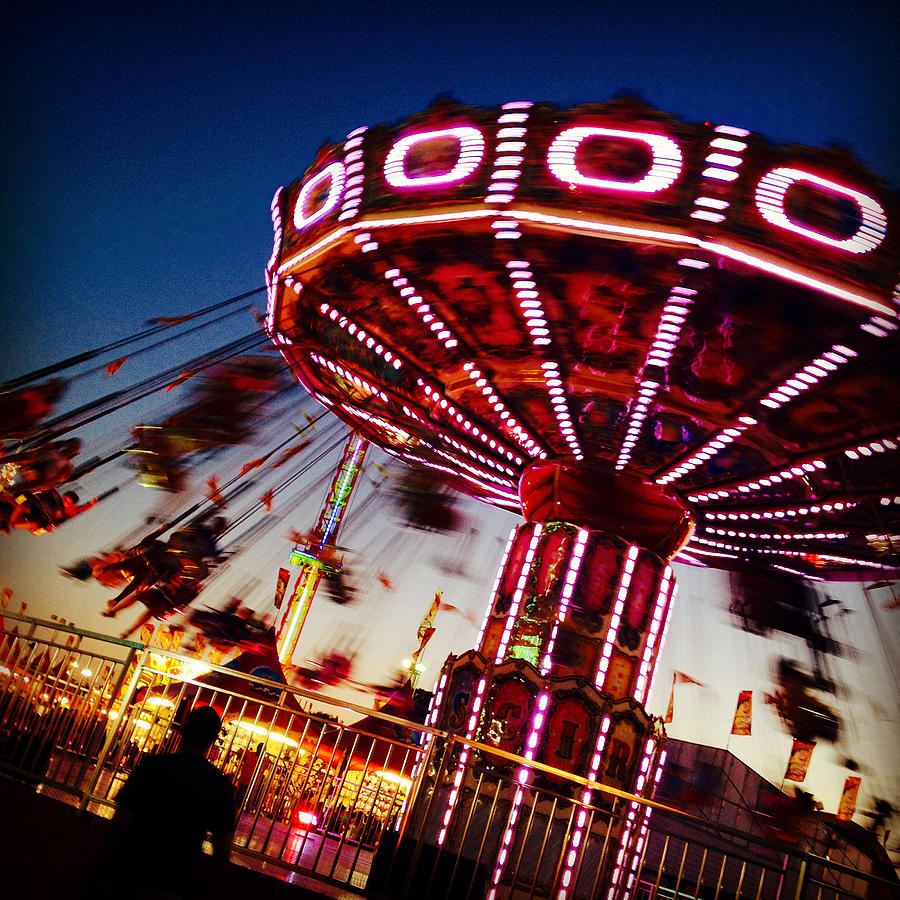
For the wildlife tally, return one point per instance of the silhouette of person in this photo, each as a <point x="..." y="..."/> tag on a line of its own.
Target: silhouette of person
<point x="164" y="812"/>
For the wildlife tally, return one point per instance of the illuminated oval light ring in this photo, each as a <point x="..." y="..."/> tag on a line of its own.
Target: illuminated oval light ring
<point x="665" y="169"/>
<point x="469" y="156"/>
<point x="336" y="175"/>
<point x="774" y="185"/>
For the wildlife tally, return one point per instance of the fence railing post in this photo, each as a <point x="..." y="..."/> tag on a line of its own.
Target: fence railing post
<point x="88" y="791"/>
<point x="801" y="880"/>
<point x="413" y="794"/>
<point x="438" y="779"/>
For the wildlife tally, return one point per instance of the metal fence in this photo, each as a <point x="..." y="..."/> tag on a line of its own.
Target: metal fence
<point x="388" y="808"/>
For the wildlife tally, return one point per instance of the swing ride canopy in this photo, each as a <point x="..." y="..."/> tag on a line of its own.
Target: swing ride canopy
<point x="679" y="313"/>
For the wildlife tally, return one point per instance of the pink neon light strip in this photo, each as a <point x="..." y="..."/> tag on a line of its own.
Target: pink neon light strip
<point x="490" y="493"/>
<point x="797" y="554"/>
<point x="271" y="275"/>
<point x="644" y="827"/>
<point x="710" y="449"/>
<point x="789" y="274"/>
<point x="289" y="282"/>
<point x="578" y="832"/>
<point x="479" y="694"/>
<point x="668" y="330"/>
<point x="651" y="647"/>
<point x="780" y="270"/>
<point x="785" y="513"/>
<point x="525" y="440"/>
<point x="360" y="334"/>
<point x="489" y="476"/>
<point x="880" y="445"/>
<point x="800" y="381"/>
<point x="507" y="837"/>
<point x="437" y="397"/>
<point x="725" y="156"/>
<point x="507" y="168"/>
<point x="798" y="470"/>
<point x="445" y="335"/>
<point x="517" y="594"/>
<point x="461" y="765"/>
<point x="496" y="587"/>
<point x="778" y="536"/>
<point x="432" y="718"/>
<point x="789" y="512"/>
<point x="345" y="373"/>
<point x="811" y="374"/>
<point x="568" y="588"/>
<point x="676" y="309"/>
<point x="631" y="817"/>
<point x="522" y="776"/>
<point x="878" y="326"/>
<point x="525" y="288"/>
<point x="616" y="617"/>
<point x="667" y="617"/>
<point x="355" y="167"/>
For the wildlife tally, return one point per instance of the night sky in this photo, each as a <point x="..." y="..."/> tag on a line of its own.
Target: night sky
<point x="143" y="143"/>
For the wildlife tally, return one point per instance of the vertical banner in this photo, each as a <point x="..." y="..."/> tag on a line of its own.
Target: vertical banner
<point x="426" y="626"/>
<point x="284" y="576"/>
<point x="670" y="710"/>
<point x="848" y="798"/>
<point x="428" y="622"/>
<point x="743" y="714"/>
<point x="798" y="763"/>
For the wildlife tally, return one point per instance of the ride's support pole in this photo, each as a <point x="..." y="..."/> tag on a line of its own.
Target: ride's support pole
<point x="313" y="559"/>
<point x="297" y="610"/>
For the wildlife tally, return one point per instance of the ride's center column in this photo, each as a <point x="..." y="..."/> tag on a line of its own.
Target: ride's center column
<point x="567" y="651"/>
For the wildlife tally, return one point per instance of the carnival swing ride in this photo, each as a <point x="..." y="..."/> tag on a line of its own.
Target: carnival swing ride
<point x="657" y="341"/>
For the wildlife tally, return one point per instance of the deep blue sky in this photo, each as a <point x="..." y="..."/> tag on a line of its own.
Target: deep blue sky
<point x="143" y="141"/>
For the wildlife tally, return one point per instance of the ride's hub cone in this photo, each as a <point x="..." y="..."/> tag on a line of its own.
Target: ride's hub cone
<point x="620" y="503"/>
